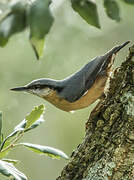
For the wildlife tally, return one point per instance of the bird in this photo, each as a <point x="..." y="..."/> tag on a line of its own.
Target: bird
<point x="80" y="89"/>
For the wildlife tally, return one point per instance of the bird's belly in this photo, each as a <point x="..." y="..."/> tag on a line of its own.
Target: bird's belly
<point x="88" y="98"/>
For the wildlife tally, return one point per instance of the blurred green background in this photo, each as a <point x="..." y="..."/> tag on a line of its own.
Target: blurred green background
<point x="70" y="44"/>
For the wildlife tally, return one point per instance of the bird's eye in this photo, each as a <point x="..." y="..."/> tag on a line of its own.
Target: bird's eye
<point x="37" y="86"/>
<point x="34" y="87"/>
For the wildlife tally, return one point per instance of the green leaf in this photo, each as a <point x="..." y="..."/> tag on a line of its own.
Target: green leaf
<point x="0" y="123"/>
<point x="112" y="9"/>
<point x="34" y="115"/>
<point x="13" y="21"/>
<point x="129" y="1"/>
<point x="3" y="154"/>
<point x="1" y="135"/>
<point x="33" y="120"/>
<point x="8" y="140"/>
<point x="40" y="21"/>
<point x="10" y="25"/>
<point x="1" y="139"/>
<point x="87" y="9"/>
<point x="36" y="124"/>
<point x="7" y="169"/>
<point x="19" y="6"/>
<point x="38" y="46"/>
<point x="10" y="161"/>
<point x="46" y="150"/>
<point x="21" y="125"/>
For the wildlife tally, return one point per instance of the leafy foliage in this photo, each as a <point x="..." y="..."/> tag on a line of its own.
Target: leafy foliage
<point x="36" y="16"/>
<point x="13" y="161"/>
<point x="13" y="22"/>
<point x="9" y="170"/>
<point x="46" y="150"/>
<point x="87" y="9"/>
<point x="40" y="21"/>
<point x="129" y="1"/>
<point x="34" y="115"/>
<point x="7" y="141"/>
<point x="0" y="122"/>
<point x="32" y="120"/>
<point x="112" y="9"/>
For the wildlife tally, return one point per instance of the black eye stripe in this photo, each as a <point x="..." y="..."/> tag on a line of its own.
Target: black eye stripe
<point x="45" y="86"/>
<point x="36" y="87"/>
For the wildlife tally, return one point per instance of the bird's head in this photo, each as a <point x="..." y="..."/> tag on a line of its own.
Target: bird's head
<point x="39" y="87"/>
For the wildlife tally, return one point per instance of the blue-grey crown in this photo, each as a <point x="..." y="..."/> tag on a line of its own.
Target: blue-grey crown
<point x="45" y="82"/>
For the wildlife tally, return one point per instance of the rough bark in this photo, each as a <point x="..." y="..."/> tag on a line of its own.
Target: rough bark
<point x="107" y="151"/>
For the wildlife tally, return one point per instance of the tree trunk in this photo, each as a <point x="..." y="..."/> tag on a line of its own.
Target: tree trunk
<point x="107" y="151"/>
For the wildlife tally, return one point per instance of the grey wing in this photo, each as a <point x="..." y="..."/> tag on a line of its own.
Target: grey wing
<point x="76" y="85"/>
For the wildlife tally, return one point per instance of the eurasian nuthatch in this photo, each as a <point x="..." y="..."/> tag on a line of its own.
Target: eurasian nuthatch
<point x="78" y="90"/>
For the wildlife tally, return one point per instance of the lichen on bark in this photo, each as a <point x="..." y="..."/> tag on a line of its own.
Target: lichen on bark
<point x="107" y="151"/>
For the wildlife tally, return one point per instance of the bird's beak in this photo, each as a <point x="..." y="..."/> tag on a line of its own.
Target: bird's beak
<point x="23" y="88"/>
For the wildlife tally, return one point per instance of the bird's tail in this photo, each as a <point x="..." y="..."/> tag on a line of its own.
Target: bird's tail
<point x="108" y="59"/>
<point x="118" y="48"/>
